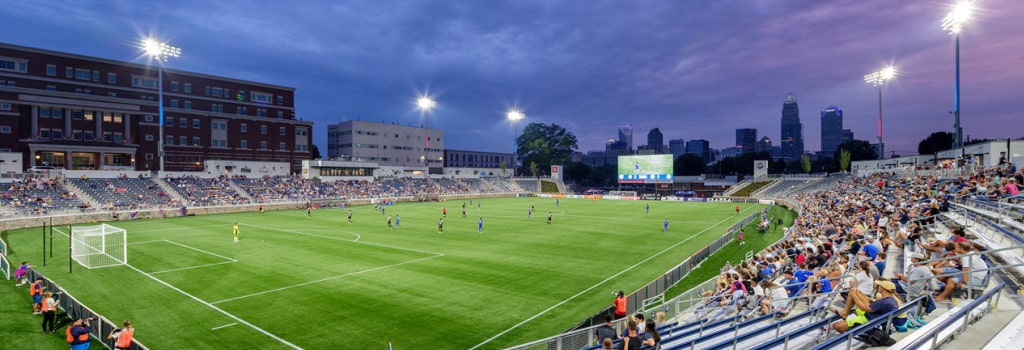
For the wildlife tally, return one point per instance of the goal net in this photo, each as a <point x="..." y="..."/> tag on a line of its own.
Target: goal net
<point x="624" y="194"/>
<point x="99" y="246"/>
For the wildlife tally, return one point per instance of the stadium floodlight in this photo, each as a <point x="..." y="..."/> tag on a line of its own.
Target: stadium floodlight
<point x="426" y="104"/>
<point x="878" y="79"/>
<point x="515" y="116"/>
<point x="160" y="51"/>
<point x="954" y="22"/>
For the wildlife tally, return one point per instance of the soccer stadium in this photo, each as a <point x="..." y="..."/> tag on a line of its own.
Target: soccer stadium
<point x="181" y="200"/>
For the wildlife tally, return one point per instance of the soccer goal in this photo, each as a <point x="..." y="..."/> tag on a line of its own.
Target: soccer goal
<point x="99" y="246"/>
<point x="624" y="194"/>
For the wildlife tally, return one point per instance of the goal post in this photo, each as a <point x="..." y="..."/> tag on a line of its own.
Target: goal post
<point x="99" y="246"/>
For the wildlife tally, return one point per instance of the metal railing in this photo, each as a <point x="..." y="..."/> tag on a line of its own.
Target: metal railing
<point x="75" y="309"/>
<point x="960" y="318"/>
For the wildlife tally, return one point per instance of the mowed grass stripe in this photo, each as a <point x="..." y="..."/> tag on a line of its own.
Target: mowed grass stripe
<point x="483" y="283"/>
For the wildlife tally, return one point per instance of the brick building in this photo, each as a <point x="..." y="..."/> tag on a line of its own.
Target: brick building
<point x="80" y="113"/>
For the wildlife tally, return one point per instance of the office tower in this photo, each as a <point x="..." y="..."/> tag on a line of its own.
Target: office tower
<point x="656" y="141"/>
<point x="831" y="130"/>
<point x="745" y="139"/>
<point x="792" y="141"/>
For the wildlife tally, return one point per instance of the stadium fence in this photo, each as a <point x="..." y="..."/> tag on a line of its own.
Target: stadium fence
<point x="75" y="309"/>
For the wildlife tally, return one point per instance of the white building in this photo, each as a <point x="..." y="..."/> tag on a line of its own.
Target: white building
<point x="386" y="144"/>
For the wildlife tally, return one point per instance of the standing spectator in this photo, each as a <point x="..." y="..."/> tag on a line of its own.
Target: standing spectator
<point x="49" y="307"/>
<point x="620" y="305"/>
<point x="36" y="291"/>
<point x="739" y="236"/>
<point x="78" y="334"/>
<point x="123" y="337"/>
<point x="605" y="331"/>
<point x="632" y="340"/>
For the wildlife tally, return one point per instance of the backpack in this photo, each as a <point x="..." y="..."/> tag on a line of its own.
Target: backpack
<point x="876" y="337"/>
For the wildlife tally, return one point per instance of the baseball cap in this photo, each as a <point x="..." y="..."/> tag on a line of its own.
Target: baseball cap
<point x="918" y="256"/>
<point x="886" y="285"/>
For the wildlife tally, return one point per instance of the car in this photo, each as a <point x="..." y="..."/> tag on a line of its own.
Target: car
<point x="42" y="169"/>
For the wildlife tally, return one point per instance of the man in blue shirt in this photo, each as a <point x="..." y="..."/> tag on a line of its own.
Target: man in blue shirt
<point x="886" y="303"/>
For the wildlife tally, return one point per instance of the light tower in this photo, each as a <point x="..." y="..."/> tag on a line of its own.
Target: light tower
<point x="515" y="116"/>
<point x="426" y="104"/>
<point x="954" y="22"/>
<point x="160" y="51"/>
<point x="878" y="79"/>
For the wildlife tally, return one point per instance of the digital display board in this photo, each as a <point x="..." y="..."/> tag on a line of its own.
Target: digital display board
<point x="646" y="168"/>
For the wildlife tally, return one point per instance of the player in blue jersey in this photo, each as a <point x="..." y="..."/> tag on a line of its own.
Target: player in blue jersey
<point x="665" y="225"/>
<point x="480" y="226"/>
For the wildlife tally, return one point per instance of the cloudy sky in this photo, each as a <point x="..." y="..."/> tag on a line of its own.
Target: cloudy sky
<point x="695" y="69"/>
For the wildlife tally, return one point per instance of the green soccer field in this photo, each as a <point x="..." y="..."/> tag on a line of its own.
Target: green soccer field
<point x="322" y="283"/>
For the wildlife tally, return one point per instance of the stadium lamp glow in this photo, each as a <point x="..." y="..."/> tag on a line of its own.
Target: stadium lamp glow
<point x="515" y="115"/>
<point x="955" y="20"/>
<point x="881" y="76"/>
<point x="425" y="103"/>
<point x="159" y="50"/>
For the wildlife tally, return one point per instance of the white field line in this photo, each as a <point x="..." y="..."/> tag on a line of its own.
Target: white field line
<point x="201" y="251"/>
<point x="215" y="308"/>
<point x="327" y="279"/>
<point x="153" y="241"/>
<point x="574" y="296"/>
<point x="224" y="326"/>
<point x="191" y="267"/>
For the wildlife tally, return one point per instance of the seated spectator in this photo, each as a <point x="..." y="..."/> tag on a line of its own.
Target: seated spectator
<point x="860" y="309"/>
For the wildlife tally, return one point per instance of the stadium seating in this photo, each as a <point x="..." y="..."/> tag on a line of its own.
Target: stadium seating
<point x="39" y="196"/>
<point x="125" y="193"/>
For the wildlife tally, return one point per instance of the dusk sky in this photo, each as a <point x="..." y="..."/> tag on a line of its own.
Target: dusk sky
<point x="695" y="69"/>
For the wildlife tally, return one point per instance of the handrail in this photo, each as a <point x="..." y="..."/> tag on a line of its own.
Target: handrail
<point x="933" y="333"/>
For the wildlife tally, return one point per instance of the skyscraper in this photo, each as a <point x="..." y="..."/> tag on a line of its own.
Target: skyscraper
<point x="677" y="147"/>
<point x="626" y="136"/>
<point x="831" y="130"/>
<point x="792" y="140"/>
<point x="745" y="139"/>
<point x="656" y="141"/>
<point x="701" y="148"/>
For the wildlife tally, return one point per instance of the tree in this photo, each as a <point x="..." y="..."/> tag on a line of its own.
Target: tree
<point x="805" y="163"/>
<point x="688" y="165"/>
<point x="314" y="152"/>
<point x="504" y="167"/>
<point x="937" y="141"/>
<point x="859" y="150"/>
<point x="545" y="145"/>
<point x="578" y="172"/>
<point x="844" y="159"/>
<point x="533" y="168"/>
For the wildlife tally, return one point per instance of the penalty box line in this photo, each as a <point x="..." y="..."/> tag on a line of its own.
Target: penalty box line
<point x="598" y="284"/>
<point x="229" y="260"/>
<point x="201" y="301"/>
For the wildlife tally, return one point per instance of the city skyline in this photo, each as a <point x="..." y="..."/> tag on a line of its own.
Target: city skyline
<point x="689" y="69"/>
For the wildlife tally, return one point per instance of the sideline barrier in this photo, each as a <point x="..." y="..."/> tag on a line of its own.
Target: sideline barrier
<point x="100" y="328"/>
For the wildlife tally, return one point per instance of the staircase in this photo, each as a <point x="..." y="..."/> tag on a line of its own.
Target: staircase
<point x="170" y="191"/>
<point x="81" y="195"/>
<point x="240" y="191"/>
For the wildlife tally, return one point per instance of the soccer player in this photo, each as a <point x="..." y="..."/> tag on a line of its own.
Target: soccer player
<point x="739" y="237"/>
<point x="234" y="231"/>
<point x="480" y="226"/>
<point x="529" y="212"/>
<point x="389" y="222"/>
<point x="737" y="209"/>
<point x="665" y="225"/>
<point x="261" y="208"/>
<point x="636" y="167"/>
<point x="463" y="212"/>
<point x="309" y="211"/>
<point x="647" y="209"/>
<point x="444" y="212"/>
<point x="440" y="225"/>
<point x="350" y="216"/>
<point x="556" y="202"/>
<point x="398" y="221"/>
<point x="549" y="218"/>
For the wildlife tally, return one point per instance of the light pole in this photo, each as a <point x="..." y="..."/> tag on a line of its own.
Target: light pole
<point x="953" y="22"/>
<point x="878" y="79"/>
<point x="160" y="51"/>
<point x="426" y="104"/>
<point x="515" y="116"/>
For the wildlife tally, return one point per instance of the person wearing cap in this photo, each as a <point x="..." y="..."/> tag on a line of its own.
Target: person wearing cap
<point x="887" y="302"/>
<point x="77" y="334"/>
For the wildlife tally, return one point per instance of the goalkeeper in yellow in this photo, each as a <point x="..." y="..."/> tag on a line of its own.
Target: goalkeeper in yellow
<point x="235" y="232"/>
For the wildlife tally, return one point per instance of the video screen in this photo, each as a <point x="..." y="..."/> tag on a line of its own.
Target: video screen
<point x="639" y="169"/>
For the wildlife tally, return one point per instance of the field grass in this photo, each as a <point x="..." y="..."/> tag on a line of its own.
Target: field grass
<point x="321" y="283"/>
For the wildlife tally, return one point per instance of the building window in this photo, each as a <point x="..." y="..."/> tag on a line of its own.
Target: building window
<point x="168" y="140"/>
<point x="51" y="70"/>
<point x="88" y="135"/>
<point x="188" y="104"/>
<point x="282" y="146"/>
<point x="76" y="115"/>
<point x="111" y="94"/>
<point x="183" y="122"/>
<point x="282" y="131"/>
<point x="174" y="86"/>
<point x="183" y="140"/>
<point x="14" y="65"/>
<point x="263" y="129"/>
<point x="148" y="118"/>
<point x="5" y="106"/>
<point x="118" y="137"/>
<point x="244" y="144"/>
<point x="5" y="129"/>
<point x="169" y="121"/>
<point x="301" y="132"/>
<point x="195" y="141"/>
<point x="51" y="88"/>
<point x="144" y="82"/>
<point x="44" y="134"/>
<point x="263" y="144"/>
<point x="69" y="72"/>
<point x="108" y="136"/>
<point x="148" y="137"/>
<point x="111" y="78"/>
<point x="188" y="88"/>
<point x="57" y="134"/>
<point x="195" y="123"/>
<point x="76" y="135"/>
<point x="149" y="156"/>
<point x="218" y="92"/>
<point x="280" y="100"/>
<point x="174" y="103"/>
<point x="244" y="127"/>
<point x="82" y="74"/>
<point x="280" y="114"/>
<point x="56" y="113"/>
<point x="261" y="97"/>
<point x="44" y="112"/>
<point x="95" y="75"/>
<point x="207" y="90"/>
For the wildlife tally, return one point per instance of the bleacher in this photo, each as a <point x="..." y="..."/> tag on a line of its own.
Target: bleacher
<point x="528" y="185"/>
<point x="39" y="196"/>
<point x="125" y="193"/>
<point x="206" y="192"/>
